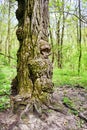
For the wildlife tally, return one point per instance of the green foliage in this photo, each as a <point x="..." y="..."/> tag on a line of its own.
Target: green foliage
<point x="6" y="75"/>
<point x="4" y="103"/>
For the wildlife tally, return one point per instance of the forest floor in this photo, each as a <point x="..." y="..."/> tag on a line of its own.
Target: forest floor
<point x="73" y="114"/>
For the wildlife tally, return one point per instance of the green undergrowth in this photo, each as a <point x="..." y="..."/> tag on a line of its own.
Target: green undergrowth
<point x="70" y="104"/>
<point x="7" y="73"/>
<point x="69" y="77"/>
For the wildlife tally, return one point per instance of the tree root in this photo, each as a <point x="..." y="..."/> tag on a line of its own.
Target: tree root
<point x="39" y="111"/>
<point x="56" y="109"/>
<point x="25" y="111"/>
<point x="75" y="111"/>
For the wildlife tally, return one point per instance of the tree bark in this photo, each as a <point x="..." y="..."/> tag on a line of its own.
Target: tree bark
<point x="33" y="83"/>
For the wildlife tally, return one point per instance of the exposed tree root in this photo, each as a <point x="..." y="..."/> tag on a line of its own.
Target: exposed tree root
<point x="40" y="111"/>
<point x="80" y="115"/>
<point x="56" y="109"/>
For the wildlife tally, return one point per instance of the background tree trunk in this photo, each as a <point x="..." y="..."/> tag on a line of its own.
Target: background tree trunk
<point x="7" y="41"/>
<point x="33" y="84"/>
<point x="62" y="36"/>
<point x="58" y="42"/>
<point x="79" y="38"/>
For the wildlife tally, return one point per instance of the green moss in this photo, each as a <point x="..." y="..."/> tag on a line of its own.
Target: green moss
<point x="37" y="66"/>
<point x="44" y="97"/>
<point x="27" y="88"/>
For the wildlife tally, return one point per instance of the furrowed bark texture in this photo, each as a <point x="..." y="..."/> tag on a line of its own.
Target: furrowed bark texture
<point x="33" y="82"/>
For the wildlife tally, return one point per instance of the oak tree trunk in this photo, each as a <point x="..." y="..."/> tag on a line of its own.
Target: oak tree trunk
<point x="33" y="83"/>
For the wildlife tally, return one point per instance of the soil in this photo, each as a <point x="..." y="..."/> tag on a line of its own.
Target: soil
<point x="72" y="115"/>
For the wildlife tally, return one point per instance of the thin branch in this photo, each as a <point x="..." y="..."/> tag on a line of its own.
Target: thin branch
<point x="82" y="20"/>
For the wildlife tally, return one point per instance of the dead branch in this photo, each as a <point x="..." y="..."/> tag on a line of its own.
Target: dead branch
<point x="56" y="109"/>
<point x="81" y="18"/>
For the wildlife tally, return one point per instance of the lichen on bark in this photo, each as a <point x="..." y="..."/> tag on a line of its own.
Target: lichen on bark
<point x="33" y="82"/>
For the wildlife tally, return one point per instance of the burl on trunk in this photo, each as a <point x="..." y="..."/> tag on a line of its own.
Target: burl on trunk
<point x="32" y="86"/>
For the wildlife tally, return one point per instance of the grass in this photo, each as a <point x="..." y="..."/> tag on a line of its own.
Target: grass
<point x="69" y="77"/>
<point x="6" y="75"/>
